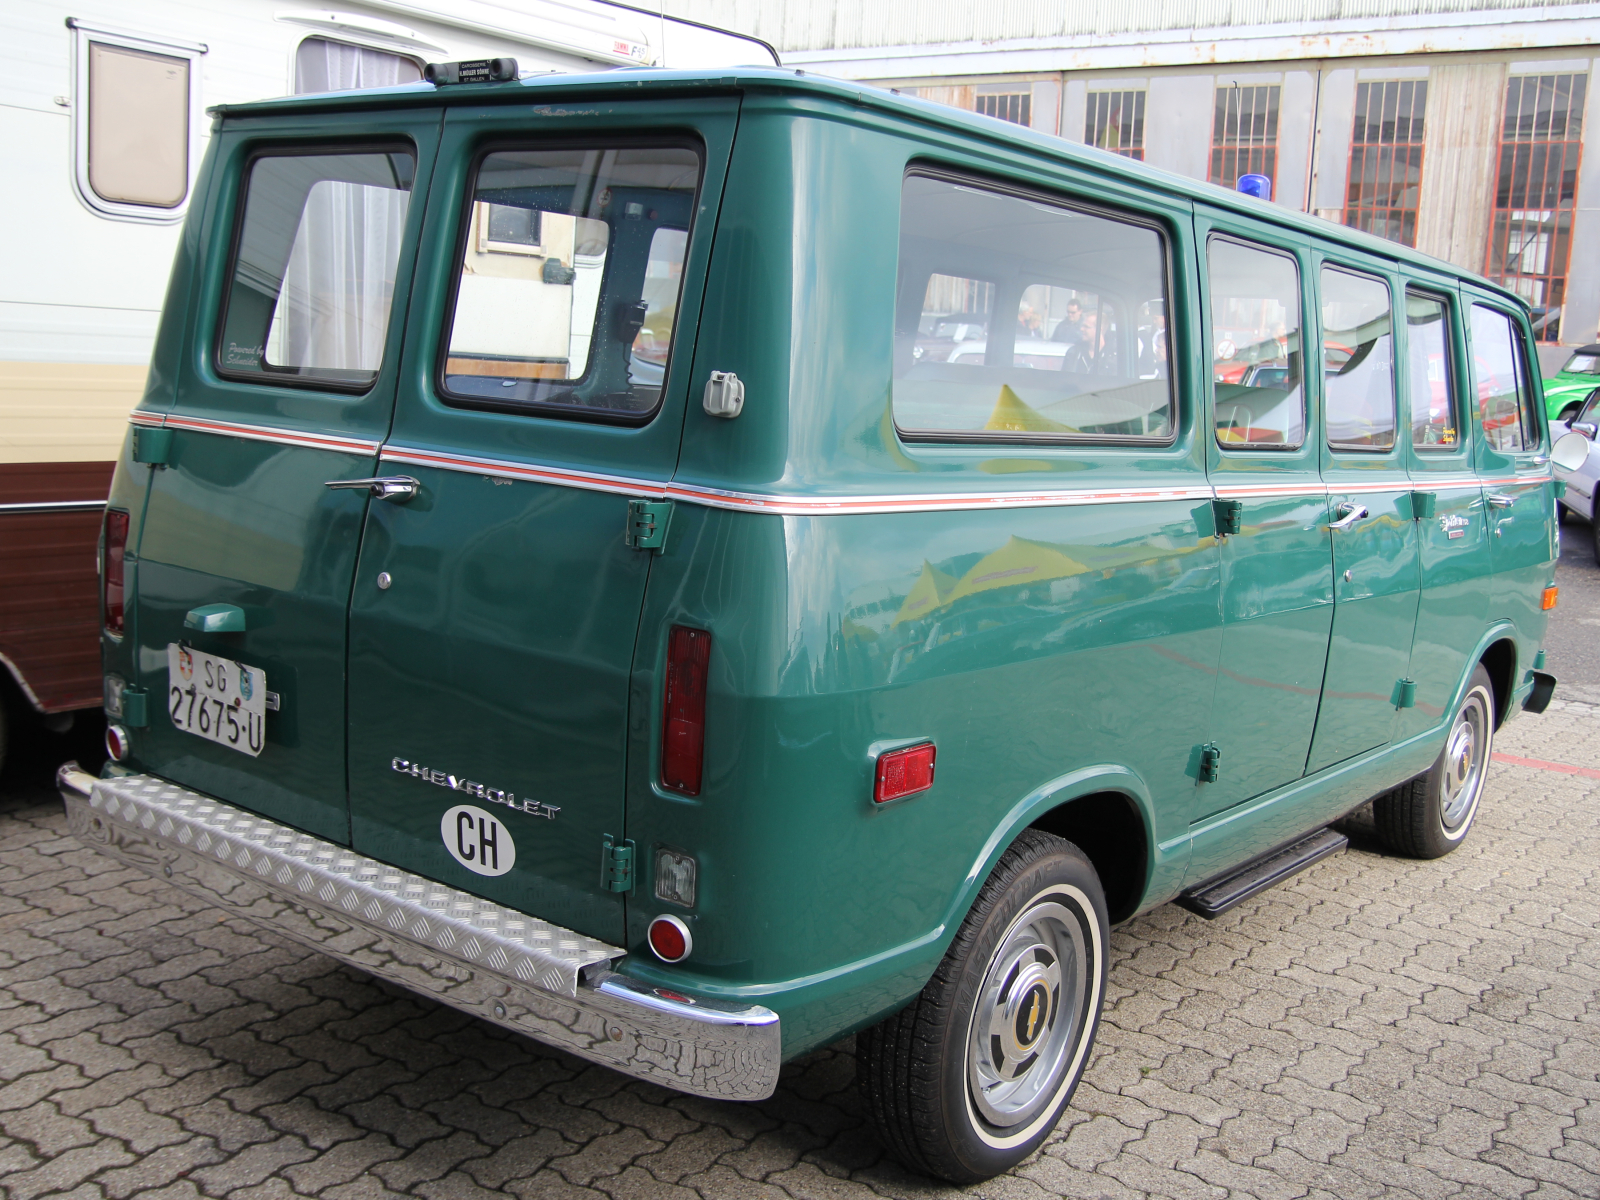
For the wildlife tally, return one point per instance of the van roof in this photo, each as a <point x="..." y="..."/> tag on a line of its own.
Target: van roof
<point x="647" y="81"/>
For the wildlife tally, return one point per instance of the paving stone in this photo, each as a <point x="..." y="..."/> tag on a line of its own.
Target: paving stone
<point x="1372" y="1028"/>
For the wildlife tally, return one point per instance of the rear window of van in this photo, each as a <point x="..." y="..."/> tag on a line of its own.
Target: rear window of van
<point x="1023" y="319"/>
<point x="571" y="268"/>
<point x="312" y="279"/>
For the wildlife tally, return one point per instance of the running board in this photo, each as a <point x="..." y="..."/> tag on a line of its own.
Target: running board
<point x="1216" y="897"/>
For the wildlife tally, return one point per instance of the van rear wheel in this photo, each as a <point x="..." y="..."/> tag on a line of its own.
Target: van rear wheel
<point x="970" y="1078"/>
<point x="1429" y="816"/>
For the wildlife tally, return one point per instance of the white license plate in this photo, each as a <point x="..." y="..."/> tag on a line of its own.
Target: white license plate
<point x="216" y="698"/>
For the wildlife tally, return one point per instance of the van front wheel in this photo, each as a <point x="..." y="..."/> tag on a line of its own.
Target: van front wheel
<point x="970" y="1078"/>
<point x="1430" y="816"/>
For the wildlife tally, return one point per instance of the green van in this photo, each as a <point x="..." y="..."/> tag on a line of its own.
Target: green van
<point x="691" y="566"/>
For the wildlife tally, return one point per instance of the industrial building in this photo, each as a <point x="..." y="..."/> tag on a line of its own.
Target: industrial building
<point x="1455" y="126"/>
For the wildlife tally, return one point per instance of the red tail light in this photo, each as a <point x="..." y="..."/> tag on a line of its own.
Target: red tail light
<point x="903" y="773"/>
<point x="683" y="710"/>
<point x="113" y="575"/>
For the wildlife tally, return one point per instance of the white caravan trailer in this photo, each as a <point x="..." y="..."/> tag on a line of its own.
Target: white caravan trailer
<point x="102" y="114"/>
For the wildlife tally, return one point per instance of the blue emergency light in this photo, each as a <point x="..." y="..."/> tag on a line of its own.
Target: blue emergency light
<point x="1259" y="186"/>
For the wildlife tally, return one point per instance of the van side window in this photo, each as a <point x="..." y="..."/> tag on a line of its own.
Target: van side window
<point x="1023" y="320"/>
<point x="1502" y="379"/>
<point x="1357" y="361"/>
<point x="1433" y="403"/>
<point x="571" y="269"/>
<point x="1257" y="363"/>
<point x="314" y="268"/>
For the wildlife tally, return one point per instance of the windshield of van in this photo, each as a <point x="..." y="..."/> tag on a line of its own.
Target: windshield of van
<point x="1019" y="320"/>
<point x="1582" y="364"/>
<point x="313" y="275"/>
<point x="571" y="269"/>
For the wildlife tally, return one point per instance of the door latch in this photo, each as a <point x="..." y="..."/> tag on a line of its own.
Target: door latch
<point x="1210" y="763"/>
<point x="616" y="864"/>
<point x="1229" y="515"/>
<point x="395" y="488"/>
<point x="647" y="524"/>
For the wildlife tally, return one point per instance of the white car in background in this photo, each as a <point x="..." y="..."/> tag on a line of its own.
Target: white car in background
<point x="1576" y="456"/>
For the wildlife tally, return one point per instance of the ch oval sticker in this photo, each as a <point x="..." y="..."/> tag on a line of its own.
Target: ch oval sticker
<point x="477" y="840"/>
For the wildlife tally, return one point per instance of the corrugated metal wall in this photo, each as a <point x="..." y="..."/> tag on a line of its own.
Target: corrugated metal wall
<point x="850" y="24"/>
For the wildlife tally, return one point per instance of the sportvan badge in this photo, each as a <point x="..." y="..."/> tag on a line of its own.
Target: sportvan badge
<point x="1454" y="525"/>
<point x="457" y="783"/>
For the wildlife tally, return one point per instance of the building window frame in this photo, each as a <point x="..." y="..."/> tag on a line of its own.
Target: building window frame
<point x="1248" y="153"/>
<point x="1116" y="109"/>
<point x="87" y="34"/>
<point x="1519" y="155"/>
<point x="1386" y="155"/>
<point x="1015" y="107"/>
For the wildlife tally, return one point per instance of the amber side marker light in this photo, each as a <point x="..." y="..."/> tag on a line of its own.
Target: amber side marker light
<point x="903" y="773"/>
<point x="1549" y="600"/>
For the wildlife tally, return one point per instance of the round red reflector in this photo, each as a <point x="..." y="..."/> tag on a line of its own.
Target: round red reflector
<point x="669" y="938"/>
<point x="117" y="742"/>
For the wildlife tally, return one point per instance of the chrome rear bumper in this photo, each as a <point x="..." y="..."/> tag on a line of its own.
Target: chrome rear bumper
<point x="504" y="966"/>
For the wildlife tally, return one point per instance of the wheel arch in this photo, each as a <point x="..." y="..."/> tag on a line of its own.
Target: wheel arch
<point x="1499" y="658"/>
<point x="1097" y="804"/>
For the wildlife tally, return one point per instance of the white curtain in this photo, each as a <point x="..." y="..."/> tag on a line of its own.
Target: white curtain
<point x="338" y="288"/>
<point x="324" y="66"/>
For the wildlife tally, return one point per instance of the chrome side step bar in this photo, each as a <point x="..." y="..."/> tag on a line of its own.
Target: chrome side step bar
<point x="549" y="983"/>
<point x="1216" y="896"/>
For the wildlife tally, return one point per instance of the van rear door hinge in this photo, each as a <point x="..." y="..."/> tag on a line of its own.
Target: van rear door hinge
<point x="1404" y="694"/>
<point x="1230" y="516"/>
<point x="616" y="864"/>
<point x="1210" y="763"/>
<point x="647" y="524"/>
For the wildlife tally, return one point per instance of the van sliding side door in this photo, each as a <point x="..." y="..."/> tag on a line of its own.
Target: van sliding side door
<point x="494" y="613"/>
<point x="1264" y="460"/>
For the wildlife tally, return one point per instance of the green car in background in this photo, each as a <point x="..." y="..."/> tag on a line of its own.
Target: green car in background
<point x="1569" y="387"/>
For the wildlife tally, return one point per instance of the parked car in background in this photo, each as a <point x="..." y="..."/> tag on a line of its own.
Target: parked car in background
<point x="1578" y="464"/>
<point x="1568" y="388"/>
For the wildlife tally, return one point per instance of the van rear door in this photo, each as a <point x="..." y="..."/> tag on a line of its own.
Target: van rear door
<point x="494" y="614"/>
<point x="286" y="382"/>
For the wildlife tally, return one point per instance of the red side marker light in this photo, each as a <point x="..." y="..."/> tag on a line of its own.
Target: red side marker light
<point x="670" y="940"/>
<point x="1549" y="600"/>
<point x="112" y="581"/>
<point x="683" y="710"/>
<point x="903" y="773"/>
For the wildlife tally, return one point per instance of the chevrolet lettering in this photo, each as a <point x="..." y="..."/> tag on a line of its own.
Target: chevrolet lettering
<point x="457" y="784"/>
<point x="884" y="546"/>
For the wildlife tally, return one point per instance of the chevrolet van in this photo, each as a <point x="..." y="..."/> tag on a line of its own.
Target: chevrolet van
<point x="691" y="566"/>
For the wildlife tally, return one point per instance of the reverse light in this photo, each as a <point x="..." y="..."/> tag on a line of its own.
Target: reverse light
<point x="670" y="939"/>
<point x="113" y="574"/>
<point x="683" y="710"/>
<point x="1548" y="601"/>
<point x="675" y="877"/>
<point x="903" y="773"/>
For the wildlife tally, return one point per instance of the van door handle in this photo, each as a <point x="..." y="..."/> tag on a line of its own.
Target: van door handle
<point x="1540" y="460"/>
<point x="1349" y="513"/>
<point x="395" y="488"/>
<point x="1498" y="501"/>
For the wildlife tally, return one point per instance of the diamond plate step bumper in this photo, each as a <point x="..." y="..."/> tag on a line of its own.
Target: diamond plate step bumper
<point x="493" y="962"/>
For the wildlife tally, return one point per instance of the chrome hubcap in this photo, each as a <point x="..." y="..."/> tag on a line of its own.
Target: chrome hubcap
<point x="1464" y="754"/>
<point x="1029" y="1014"/>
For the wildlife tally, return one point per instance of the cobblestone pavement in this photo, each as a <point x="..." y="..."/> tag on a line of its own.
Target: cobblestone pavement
<point x="1376" y="1027"/>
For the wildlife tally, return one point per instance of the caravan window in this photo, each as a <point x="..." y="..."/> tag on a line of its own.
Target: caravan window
<point x="314" y="269"/>
<point x="1025" y="320"/>
<point x="571" y="267"/>
<point x="138" y="130"/>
